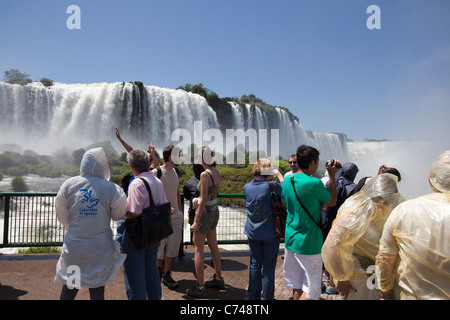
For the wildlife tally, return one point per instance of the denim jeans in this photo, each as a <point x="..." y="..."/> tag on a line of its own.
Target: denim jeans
<point x="141" y="273"/>
<point x="263" y="261"/>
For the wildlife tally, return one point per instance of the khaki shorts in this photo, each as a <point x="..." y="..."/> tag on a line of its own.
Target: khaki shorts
<point x="209" y="220"/>
<point x="170" y="246"/>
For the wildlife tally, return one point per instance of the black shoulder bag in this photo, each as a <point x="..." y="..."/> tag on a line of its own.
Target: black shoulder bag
<point x="151" y="226"/>
<point x="279" y="212"/>
<point x="320" y="224"/>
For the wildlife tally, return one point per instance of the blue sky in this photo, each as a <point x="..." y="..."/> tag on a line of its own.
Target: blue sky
<point x="315" y="57"/>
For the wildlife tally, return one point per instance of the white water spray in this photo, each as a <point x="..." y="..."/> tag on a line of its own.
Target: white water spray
<point x="75" y="115"/>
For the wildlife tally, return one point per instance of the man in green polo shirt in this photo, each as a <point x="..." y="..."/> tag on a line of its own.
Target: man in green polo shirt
<point x="303" y="239"/>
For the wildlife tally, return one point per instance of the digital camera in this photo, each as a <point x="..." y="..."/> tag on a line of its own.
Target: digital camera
<point x="332" y="164"/>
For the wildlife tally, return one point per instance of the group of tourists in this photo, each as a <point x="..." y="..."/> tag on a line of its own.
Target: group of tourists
<point x="86" y="203"/>
<point x="338" y="233"/>
<point x="346" y="233"/>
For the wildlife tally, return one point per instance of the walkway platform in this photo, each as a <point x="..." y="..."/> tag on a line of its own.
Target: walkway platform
<point x="30" y="277"/>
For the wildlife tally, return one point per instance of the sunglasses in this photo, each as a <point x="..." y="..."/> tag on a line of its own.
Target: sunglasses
<point x="292" y="162"/>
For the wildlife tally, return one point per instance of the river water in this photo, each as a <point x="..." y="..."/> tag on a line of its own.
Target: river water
<point x="35" y="183"/>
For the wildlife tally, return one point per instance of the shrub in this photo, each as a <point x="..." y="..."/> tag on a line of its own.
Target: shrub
<point x="7" y="162"/>
<point x="16" y="171"/>
<point x="49" y="172"/>
<point x="34" y="250"/>
<point x="29" y="159"/>
<point x="78" y="156"/>
<point x="47" y="82"/>
<point x="117" y="179"/>
<point x="70" y="171"/>
<point x="19" y="185"/>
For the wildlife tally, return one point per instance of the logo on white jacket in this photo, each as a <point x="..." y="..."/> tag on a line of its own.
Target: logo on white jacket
<point x="89" y="202"/>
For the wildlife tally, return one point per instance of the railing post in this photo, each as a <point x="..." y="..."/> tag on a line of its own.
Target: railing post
<point x="5" y="222"/>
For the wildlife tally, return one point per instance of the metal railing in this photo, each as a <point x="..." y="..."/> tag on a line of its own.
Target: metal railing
<point x="29" y="220"/>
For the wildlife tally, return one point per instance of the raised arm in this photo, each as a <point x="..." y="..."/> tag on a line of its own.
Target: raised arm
<point x="123" y="142"/>
<point x="155" y="161"/>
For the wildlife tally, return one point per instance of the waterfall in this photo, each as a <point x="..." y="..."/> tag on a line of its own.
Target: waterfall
<point x="291" y="132"/>
<point x="75" y="115"/>
<point x="45" y="119"/>
<point x="238" y="120"/>
<point x="333" y="145"/>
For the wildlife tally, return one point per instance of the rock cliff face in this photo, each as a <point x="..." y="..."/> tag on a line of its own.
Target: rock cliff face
<point x="75" y="115"/>
<point x="291" y="133"/>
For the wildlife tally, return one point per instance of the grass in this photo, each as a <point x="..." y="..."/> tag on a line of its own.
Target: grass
<point x="34" y="250"/>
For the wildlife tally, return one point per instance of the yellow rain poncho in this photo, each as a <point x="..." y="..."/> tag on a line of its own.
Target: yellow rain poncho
<point x="352" y="244"/>
<point x="415" y="246"/>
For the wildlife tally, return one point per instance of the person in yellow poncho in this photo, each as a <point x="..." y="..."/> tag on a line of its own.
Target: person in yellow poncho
<point x="415" y="245"/>
<point x="352" y="244"/>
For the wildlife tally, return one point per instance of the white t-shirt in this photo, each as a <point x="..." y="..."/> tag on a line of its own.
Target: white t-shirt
<point x="287" y="173"/>
<point x="170" y="180"/>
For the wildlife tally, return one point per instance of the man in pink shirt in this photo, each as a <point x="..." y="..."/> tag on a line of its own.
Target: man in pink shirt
<point x="141" y="273"/>
<point x="138" y="198"/>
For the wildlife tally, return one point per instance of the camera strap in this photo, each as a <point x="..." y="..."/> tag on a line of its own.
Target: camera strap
<point x="301" y="203"/>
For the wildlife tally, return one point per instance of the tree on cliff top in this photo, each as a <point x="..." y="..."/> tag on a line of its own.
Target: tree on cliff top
<point x="209" y="95"/>
<point x="14" y="76"/>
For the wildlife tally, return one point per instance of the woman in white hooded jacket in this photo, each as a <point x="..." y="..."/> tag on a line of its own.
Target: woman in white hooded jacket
<point x="85" y="205"/>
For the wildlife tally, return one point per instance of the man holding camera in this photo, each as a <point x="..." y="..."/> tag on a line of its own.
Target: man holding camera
<point x="304" y="196"/>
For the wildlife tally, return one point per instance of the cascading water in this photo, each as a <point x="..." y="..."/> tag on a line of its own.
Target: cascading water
<point x="74" y="115"/>
<point x="334" y="144"/>
<point x="45" y="119"/>
<point x="238" y="120"/>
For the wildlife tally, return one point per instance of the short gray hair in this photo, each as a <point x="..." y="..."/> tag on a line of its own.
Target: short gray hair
<point x="139" y="160"/>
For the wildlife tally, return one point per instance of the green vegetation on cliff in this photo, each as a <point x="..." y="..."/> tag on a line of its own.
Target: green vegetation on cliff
<point x="67" y="162"/>
<point x="214" y="100"/>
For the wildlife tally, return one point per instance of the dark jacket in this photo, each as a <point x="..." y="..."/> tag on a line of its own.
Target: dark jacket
<point x="344" y="188"/>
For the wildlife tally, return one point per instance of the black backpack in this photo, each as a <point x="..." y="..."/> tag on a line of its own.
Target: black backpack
<point x="126" y="182"/>
<point x="343" y="191"/>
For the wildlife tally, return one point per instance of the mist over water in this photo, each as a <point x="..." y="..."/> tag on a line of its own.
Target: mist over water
<point x="413" y="159"/>
<point x="35" y="183"/>
<point x="76" y="115"/>
<point x="44" y="119"/>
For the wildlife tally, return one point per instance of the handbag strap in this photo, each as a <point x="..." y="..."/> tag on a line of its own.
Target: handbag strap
<point x="301" y="203"/>
<point x="271" y="186"/>
<point x="210" y="177"/>
<point x="272" y="191"/>
<point x="152" y="204"/>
